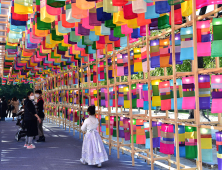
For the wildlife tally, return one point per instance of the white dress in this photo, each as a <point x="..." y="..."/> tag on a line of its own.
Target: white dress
<point x="93" y="151"/>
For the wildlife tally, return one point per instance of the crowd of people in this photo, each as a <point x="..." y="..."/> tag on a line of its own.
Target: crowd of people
<point x="8" y="108"/>
<point x="93" y="151"/>
<point x="33" y="115"/>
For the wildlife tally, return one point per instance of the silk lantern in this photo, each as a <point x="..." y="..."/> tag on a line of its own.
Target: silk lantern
<point x="219" y="149"/>
<point x="167" y="142"/>
<point x="217" y="38"/>
<point x="83" y="4"/>
<point x="53" y="11"/>
<point x="102" y="15"/>
<point x="108" y="6"/>
<point x="128" y="12"/>
<point x="162" y="7"/>
<point x="56" y="3"/>
<point x="24" y="2"/>
<point x="204" y="91"/>
<point x="175" y="2"/>
<point x="216" y="81"/>
<point x="186" y="8"/>
<point x="188" y="93"/>
<point x="187" y="44"/>
<point x="119" y="2"/>
<point x="151" y="13"/>
<point x="139" y="6"/>
<point x="164" y="88"/>
<point x="203" y="39"/>
<point x="118" y="18"/>
<point x="78" y="13"/>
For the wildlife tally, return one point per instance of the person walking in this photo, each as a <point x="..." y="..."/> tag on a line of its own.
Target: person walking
<point x="4" y="107"/>
<point x="9" y="111"/>
<point x="0" y="108"/>
<point x="30" y="120"/>
<point x="40" y="103"/>
<point x="23" y="100"/>
<point x="15" y="107"/>
<point x="93" y="151"/>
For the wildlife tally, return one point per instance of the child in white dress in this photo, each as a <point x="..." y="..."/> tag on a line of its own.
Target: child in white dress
<point x="93" y="151"/>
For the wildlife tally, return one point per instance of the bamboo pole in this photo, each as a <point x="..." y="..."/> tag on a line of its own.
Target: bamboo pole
<point x="197" y="116"/>
<point x="73" y="111"/>
<point x="109" y="110"/>
<point x="80" y="112"/>
<point x="97" y="89"/>
<point x="174" y="87"/>
<point x="130" y="98"/>
<point x="117" y="117"/>
<point x="89" y="76"/>
<point x="149" y="97"/>
<point x="79" y="88"/>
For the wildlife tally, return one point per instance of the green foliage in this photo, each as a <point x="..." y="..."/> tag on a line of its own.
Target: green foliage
<point x="18" y="90"/>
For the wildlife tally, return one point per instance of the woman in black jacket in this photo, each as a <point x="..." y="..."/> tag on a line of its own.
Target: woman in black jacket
<point x="4" y="107"/>
<point x="30" y="119"/>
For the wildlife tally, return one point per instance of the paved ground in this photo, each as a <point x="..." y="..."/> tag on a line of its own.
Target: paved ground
<point x="61" y="151"/>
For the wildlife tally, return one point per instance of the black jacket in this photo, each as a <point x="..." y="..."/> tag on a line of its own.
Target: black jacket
<point x="29" y="110"/>
<point x="40" y="104"/>
<point x="4" y="107"/>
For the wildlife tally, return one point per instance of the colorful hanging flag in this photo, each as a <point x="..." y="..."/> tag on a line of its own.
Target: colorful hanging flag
<point x="181" y="133"/>
<point x="206" y="145"/>
<point x="191" y="142"/>
<point x="164" y="88"/>
<point x="167" y="139"/>
<point x="188" y="93"/>
<point x="216" y="86"/>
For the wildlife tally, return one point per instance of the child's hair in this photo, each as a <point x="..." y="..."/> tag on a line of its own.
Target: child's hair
<point x="91" y="110"/>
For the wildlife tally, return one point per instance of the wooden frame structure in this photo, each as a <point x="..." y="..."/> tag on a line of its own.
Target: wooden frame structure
<point x="120" y="145"/>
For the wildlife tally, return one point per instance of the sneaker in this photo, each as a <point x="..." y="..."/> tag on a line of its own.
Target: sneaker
<point x="31" y="146"/>
<point x="99" y="165"/>
<point x="41" y="139"/>
<point x="25" y="146"/>
<point x="82" y="161"/>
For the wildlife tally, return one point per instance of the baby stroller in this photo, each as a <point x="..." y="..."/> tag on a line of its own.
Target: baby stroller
<point x="22" y="131"/>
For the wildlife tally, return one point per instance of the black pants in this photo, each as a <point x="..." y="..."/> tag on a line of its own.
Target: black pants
<point x="9" y="113"/>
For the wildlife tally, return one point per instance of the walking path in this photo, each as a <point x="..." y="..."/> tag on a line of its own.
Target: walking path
<point x="61" y="151"/>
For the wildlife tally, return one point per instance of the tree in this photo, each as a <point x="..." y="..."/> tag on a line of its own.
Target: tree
<point x="18" y="90"/>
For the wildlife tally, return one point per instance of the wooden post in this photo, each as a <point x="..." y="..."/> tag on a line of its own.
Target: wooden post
<point x="117" y="117"/>
<point x="97" y="89"/>
<point x="107" y="88"/>
<point x="196" y="85"/>
<point x="149" y="97"/>
<point x="80" y="111"/>
<point x="175" y="87"/>
<point x="73" y="111"/>
<point x="130" y="98"/>
<point x="79" y="88"/>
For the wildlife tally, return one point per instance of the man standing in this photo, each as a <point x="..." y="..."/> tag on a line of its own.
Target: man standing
<point x="23" y="100"/>
<point x="40" y="103"/>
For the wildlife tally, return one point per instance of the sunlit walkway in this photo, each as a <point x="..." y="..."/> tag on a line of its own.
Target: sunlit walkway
<point x="61" y="151"/>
